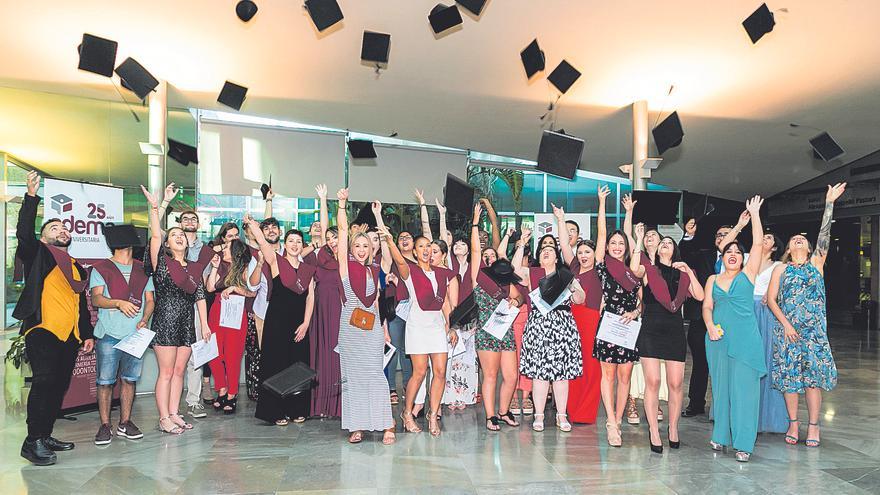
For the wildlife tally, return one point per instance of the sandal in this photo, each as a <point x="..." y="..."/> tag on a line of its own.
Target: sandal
<point x="538" y="424"/>
<point x="527" y="406"/>
<point x="230" y="406"/>
<point x="613" y="432"/>
<point x="492" y="423"/>
<point x="434" y="424"/>
<point x="389" y="437"/>
<point x="301" y="419"/>
<point x="632" y="411"/>
<point x="812" y="442"/>
<point x="183" y="424"/>
<point x="514" y="405"/>
<point x="395" y="399"/>
<point x="176" y="430"/>
<point x="509" y="418"/>
<point x="219" y="402"/>
<point x="282" y="422"/>
<point x="562" y="422"/>
<point x="743" y="456"/>
<point x="409" y="423"/>
<point x="789" y="439"/>
<point x="356" y="437"/>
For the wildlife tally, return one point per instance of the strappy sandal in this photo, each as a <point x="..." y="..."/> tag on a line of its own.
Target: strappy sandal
<point x="389" y="437"/>
<point x="356" y="437"/>
<point x="300" y="419"/>
<point x="812" y="442"/>
<point x="433" y="424"/>
<point x="613" y="432"/>
<point x="509" y="418"/>
<point x="538" y="424"/>
<point x="176" y="430"/>
<point x="230" y="406"/>
<point x="282" y="422"/>
<point x="492" y="423"/>
<point x="789" y="439"/>
<point x="185" y="425"/>
<point x="409" y="424"/>
<point x="562" y="422"/>
<point x="395" y="399"/>
<point x="743" y="456"/>
<point x="219" y="402"/>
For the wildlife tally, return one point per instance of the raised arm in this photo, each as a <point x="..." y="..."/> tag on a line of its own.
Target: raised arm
<point x="155" y="243"/>
<point x="519" y="254"/>
<point x="475" y="244"/>
<point x="321" y="189"/>
<point x="502" y="246"/>
<point x="635" y="262"/>
<point x="426" y="221"/>
<point x="823" y="242"/>
<point x="601" y="227"/>
<point x="753" y="265"/>
<point x="170" y="193"/>
<point x="267" y="210"/>
<point x="27" y="219"/>
<point x="342" y="225"/>
<point x="731" y="236"/>
<point x="376" y="206"/>
<point x="493" y="219"/>
<point x="564" y="240"/>
<point x="444" y="232"/>
<point x="266" y="250"/>
<point x="628" y="205"/>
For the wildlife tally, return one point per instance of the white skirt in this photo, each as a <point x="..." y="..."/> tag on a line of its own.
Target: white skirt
<point x="425" y="332"/>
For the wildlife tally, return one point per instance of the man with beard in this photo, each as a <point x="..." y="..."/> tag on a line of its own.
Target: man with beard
<point x="55" y="322"/>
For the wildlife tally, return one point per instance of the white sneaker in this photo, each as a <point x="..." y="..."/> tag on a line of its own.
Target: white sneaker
<point x="196" y="410"/>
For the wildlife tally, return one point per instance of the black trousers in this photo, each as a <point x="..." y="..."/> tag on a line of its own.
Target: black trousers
<point x="52" y="363"/>
<point x="696" y="338"/>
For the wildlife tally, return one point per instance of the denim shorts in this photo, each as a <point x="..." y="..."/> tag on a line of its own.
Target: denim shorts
<point x="111" y="361"/>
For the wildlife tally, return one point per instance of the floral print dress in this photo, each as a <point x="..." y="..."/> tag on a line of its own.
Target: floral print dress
<point x="617" y="301"/>
<point x="486" y="305"/>
<point x="807" y="362"/>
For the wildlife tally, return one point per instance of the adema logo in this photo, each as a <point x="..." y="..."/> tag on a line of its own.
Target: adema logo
<point x="61" y="203"/>
<point x="545" y="228"/>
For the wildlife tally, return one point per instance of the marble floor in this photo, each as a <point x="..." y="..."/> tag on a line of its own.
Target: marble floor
<point x="240" y="455"/>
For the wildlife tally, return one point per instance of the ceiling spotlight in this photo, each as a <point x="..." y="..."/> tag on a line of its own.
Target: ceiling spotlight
<point x="246" y="10"/>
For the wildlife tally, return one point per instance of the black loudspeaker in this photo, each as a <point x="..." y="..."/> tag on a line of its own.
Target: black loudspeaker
<point x="560" y="154"/>
<point x="656" y="207"/>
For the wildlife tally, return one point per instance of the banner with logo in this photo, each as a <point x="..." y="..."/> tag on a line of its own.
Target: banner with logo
<point x="83" y="209"/>
<point x="545" y="223"/>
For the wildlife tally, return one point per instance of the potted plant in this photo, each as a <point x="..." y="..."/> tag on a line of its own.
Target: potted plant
<point x="17" y="369"/>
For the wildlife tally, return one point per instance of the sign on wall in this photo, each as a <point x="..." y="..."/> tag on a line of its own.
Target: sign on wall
<point x="83" y="209"/>
<point x="545" y="223"/>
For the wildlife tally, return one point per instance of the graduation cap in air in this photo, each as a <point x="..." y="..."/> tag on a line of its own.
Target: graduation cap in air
<point x="825" y="147"/>
<point x="361" y="148"/>
<point x="501" y="272"/>
<point x="232" y="95"/>
<point x="246" y="10"/>
<point x="552" y="285"/>
<point x="532" y="58"/>
<point x="668" y="134"/>
<point x="264" y="189"/>
<point x="563" y="76"/>
<point x="443" y="17"/>
<point x="464" y="313"/>
<point x="136" y="78"/>
<point x="366" y="217"/>
<point x="474" y="6"/>
<point x="324" y="13"/>
<point x="560" y="154"/>
<point x="97" y="55"/>
<point x="292" y="380"/>
<point x="124" y="236"/>
<point x="182" y="153"/>
<point x="759" y="23"/>
<point x="375" y="47"/>
<point x="458" y="195"/>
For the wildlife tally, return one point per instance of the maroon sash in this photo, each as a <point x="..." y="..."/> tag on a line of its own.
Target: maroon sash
<point x="428" y="300"/>
<point x="536" y="273"/>
<point x="326" y="260"/>
<point x="591" y="284"/>
<point x="295" y="279"/>
<point x="117" y="288"/>
<point x="65" y="264"/>
<point x="486" y="283"/>
<point x="621" y="273"/>
<point x="205" y="255"/>
<point x="658" y="286"/>
<point x="181" y="275"/>
<point x="465" y="281"/>
<point x="357" y="276"/>
<point x="401" y="293"/>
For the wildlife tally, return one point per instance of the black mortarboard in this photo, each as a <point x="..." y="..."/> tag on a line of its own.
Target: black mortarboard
<point x="136" y="78"/>
<point x="560" y="154"/>
<point x="366" y="217"/>
<point x="361" y="148"/>
<point x="656" y="207"/>
<point x="122" y="236"/>
<point x="182" y="153"/>
<point x="97" y="55"/>
<point x="474" y="6"/>
<point x="375" y="47"/>
<point x="324" y="13"/>
<point x="464" y="313"/>
<point x="246" y="10"/>
<point x="501" y="272"/>
<point x="563" y="76"/>
<point x="532" y="58"/>
<point x="458" y="195"/>
<point x="443" y="17"/>
<point x="232" y="95"/>
<point x="668" y="134"/>
<point x="292" y="380"/>
<point x="826" y="147"/>
<point x="759" y="23"/>
<point x="551" y="286"/>
<point x="264" y="188"/>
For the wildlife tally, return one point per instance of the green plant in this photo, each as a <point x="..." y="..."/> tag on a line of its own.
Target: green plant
<point x="16" y="352"/>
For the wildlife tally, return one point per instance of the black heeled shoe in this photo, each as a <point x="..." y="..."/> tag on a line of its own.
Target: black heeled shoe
<point x="672" y="445"/>
<point x="657" y="449"/>
<point x="231" y="403"/>
<point x="219" y="402"/>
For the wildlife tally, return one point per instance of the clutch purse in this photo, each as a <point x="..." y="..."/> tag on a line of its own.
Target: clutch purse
<point x="362" y="319"/>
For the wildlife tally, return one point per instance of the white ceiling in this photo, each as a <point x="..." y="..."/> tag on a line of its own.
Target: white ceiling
<point x="820" y="67"/>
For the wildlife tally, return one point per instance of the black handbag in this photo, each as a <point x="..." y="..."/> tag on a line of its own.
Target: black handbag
<point x="292" y="380"/>
<point x="387" y="305"/>
<point x="464" y="313"/>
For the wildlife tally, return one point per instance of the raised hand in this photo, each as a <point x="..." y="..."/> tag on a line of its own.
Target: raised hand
<point x="150" y="198"/>
<point x="690" y="228"/>
<point x="510" y="231"/>
<point x="628" y="203"/>
<point x="639" y="231"/>
<point x="215" y="261"/>
<point x="420" y="196"/>
<point x="744" y="219"/>
<point x="835" y="192"/>
<point x="170" y="192"/>
<point x="383" y="232"/>
<point x="603" y="191"/>
<point x="376" y="206"/>
<point x="321" y="189"/>
<point x="753" y="206"/>
<point x="440" y="207"/>
<point x="526" y="235"/>
<point x="33" y="183"/>
<point x="270" y="195"/>
<point x="342" y="194"/>
<point x="478" y="209"/>
<point x="559" y="213"/>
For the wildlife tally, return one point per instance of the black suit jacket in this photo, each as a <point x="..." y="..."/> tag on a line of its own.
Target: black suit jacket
<point x="702" y="262"/>
<point x="38" y="262"/>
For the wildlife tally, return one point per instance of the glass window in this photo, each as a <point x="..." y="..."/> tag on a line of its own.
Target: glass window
<point x="532" y="195"/>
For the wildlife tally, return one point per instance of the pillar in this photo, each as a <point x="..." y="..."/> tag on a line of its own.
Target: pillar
<point x="158" y="135"/>
<point x="640" y="144"/>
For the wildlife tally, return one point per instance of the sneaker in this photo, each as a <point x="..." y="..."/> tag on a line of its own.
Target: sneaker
<point x="129" y="430"/>
<point x="632" y="412"/>
<point x="196" y="411"/>
<point x="104" y="435"/>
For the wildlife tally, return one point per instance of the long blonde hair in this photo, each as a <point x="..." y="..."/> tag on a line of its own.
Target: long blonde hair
<point x="353" y="239"/>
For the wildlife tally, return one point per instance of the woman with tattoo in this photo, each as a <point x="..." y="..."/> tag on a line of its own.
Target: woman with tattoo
<point x="802" y="360"/>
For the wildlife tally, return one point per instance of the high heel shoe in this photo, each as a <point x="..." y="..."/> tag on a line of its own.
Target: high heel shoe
<point x="672" y="445"/>
<point x="812" y="442"/>
<point x="613" y="434"/>
<point x="717" y="447"/>
<point x="409" y="424"/>
<point x="219" y="402"/>
<point x="433" y="424"/>
<point x="790" y="439"/>
<point x="657" y="449"/>
<point x="231" y="404"/>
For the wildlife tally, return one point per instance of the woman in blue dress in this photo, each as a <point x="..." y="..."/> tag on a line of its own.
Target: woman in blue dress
<point x="802" y="360"/>
<point x="733" y="343"/>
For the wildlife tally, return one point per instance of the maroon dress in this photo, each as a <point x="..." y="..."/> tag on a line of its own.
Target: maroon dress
<point x="324" y="334"/>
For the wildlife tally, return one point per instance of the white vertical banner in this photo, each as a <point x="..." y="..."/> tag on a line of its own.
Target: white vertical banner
<point x="545" y="223"/>
<point x="84" y="209"/>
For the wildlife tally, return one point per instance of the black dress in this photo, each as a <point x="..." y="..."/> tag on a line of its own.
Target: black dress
<point x="174" y="315"/>
<point x="617" y="301"/>
<point x="662" y="334"/>
<point x="285" y="313"/>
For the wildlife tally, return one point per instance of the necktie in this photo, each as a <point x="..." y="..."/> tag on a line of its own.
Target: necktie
<point x="718" y="265"/>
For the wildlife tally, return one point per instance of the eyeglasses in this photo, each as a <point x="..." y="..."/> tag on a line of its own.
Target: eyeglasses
<point x="189" y="219"/>
<point x="721" y="235"/>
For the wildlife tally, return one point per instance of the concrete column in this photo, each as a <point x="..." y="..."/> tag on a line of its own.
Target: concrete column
<point x="640" y="144"/>
<point x="158" y="135"/>
<point x="874" y="256"/>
